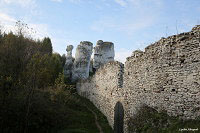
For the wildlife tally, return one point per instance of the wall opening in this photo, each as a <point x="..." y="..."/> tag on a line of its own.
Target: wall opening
<point x="119" y="118"/>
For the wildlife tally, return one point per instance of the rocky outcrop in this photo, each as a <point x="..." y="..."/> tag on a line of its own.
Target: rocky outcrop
<point x="166" y="76"/>
<point x="69" y="62"/>
<point x="91" y="66"/>
<point x="83" y="64"/>
<point x="103" y="53"/>
<point x="82" y="61"/>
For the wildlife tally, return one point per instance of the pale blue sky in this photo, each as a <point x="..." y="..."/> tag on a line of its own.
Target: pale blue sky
<point x="129" y="24"/>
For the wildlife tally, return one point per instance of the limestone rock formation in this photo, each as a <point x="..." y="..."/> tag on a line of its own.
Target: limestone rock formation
<point x="91" y="66"/>
<point x="69" y="62"/>
<point x="166" y="77"/>
<point x="103" y="53"/>
<point x="82" y="61"/>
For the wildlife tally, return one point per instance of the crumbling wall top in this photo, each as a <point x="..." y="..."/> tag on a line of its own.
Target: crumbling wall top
<point x="196" y="28"/>
<point x="167" y="44"/>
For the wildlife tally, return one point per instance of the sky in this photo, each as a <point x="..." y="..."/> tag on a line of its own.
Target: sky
<point x="129" y="24"/>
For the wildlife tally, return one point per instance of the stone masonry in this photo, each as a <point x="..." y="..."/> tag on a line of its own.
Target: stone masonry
<point x="166" y="76"/>
<point x="104" y="88"/>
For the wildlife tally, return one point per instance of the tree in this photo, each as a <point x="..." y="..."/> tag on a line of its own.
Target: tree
<point x="1" y="34"/>
<point x="46" y="46"/>
<point x="46" y="69"/>
<point x="26" y="65"/>
<point x="63" y="58"/>
<point x="56" y="61"/>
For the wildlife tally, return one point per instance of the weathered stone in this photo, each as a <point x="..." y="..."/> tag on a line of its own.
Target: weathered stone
<point x="137" y="53"/>
<point x="91" y="66"/>
<point x="82" y="61"/>
<point x="103" y="53"/>
<point x="104" y="86"/>
<point x="171" y="65"/>
<point x="69" y="62"/>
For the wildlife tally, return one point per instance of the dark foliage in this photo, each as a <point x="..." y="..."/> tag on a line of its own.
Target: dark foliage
<point x="34" y="96"/>
<point x="26" y="66"/>
<point x="149" y="120"/>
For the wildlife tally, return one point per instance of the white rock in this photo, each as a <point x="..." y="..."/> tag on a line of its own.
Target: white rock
<point x="82" y="61"/>
<point x="103" y="53"/>
<point x="69" y="62"/>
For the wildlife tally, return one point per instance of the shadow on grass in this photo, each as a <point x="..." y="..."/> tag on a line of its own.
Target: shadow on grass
<point x="51" y="110"/>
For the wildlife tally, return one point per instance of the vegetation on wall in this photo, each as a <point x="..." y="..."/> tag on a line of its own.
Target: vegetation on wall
<point x="149" y="120"/>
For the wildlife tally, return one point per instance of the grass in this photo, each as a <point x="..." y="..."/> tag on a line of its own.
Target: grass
<point x="52" y="111"/>
<point x="88" y="117"/>
<point x="100" y="117"/>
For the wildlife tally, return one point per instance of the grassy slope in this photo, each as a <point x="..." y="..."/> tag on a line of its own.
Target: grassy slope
<point x="83" y="120"/>
<point x="51" y="111"/>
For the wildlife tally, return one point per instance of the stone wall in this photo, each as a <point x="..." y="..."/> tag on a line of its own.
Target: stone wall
<point x="166" y="76"/>
<point x="104" y="88"/>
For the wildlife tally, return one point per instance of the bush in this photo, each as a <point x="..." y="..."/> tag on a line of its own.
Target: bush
<point x="150" y="120"/>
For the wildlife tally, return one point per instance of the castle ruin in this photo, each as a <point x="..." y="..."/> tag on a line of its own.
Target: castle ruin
<point x="166" y="76"/>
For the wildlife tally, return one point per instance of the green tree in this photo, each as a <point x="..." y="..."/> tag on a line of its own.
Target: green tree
<point x="47" y="69"/>
<point x="27" y="67"/>
<point x="63" y="58"/>
<point x="46" y="46"/>
<point x="56" y="65"/>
